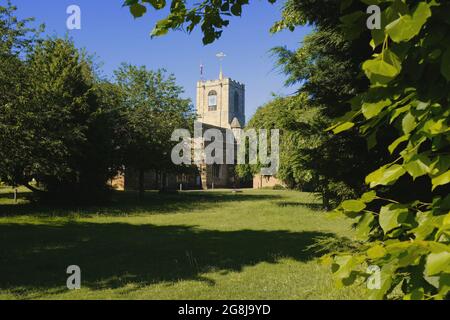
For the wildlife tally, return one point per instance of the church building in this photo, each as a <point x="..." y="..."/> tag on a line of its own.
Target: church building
<point x="220" y="105"/>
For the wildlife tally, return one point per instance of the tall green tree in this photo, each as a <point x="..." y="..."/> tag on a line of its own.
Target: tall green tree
<point x="293" y="118"/>
<point x="16" y="40"/>
<point x="154" y="109"/>
<point x="329" y="77"/>
<point x="311" y="159"/>
<point x="59" y="131"/>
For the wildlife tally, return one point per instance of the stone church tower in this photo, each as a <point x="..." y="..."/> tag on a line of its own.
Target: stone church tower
<point x="220" y="105"/>
<point x="220" y="101"/>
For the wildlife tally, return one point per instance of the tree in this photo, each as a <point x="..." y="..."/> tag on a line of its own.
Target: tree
<point x="57" y="127"/>
<point x="410" y="81"/>
<point x="71" y="131"/>
<point x="329" y="77"/>
<point x="154" y="108"/>
<point x="311" y="159"/>
<point x="16" y="38"/>
<point x="292" y="118"/>
<point x="208" y="13"/>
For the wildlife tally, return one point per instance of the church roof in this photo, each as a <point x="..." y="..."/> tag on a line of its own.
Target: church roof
<point x="235" y="124"/>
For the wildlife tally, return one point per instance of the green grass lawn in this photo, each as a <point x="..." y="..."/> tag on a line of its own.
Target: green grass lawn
<point x="191" y="245"/>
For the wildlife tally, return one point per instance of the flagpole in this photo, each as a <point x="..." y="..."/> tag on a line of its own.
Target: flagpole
<point x="221" y="56"/>
<point x="201" y="72"/>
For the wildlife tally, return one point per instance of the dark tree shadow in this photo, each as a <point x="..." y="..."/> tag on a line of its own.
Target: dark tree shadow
<point x="309" y="205"/>
<point x="128" y="203"/>
<point x="115" y="254"/>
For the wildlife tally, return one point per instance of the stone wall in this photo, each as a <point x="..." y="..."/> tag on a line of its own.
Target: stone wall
<point x="260" y="181"/>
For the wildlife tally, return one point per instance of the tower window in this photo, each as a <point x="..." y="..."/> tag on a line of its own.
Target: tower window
<point x="212" y="101"/>
<point x="236" y="102"/>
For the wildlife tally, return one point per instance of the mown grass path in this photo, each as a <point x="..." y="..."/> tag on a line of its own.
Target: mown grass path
<point x="192" y="245"/>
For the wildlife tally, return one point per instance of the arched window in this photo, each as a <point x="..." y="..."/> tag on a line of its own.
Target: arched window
<point x="236" y="102"/>
<point x="212" y="101"/>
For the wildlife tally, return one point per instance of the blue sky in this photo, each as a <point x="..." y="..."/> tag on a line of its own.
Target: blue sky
<point x="109" y="31"/>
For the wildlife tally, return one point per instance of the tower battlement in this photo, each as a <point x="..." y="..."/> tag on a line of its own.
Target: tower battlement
<point x="213" y="82"/>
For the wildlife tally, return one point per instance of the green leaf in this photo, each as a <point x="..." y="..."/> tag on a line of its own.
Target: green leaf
<point x="444" y="285"/>
<point x="399" y="111"/>
<point x="419" y="165"/>
<point x="236" y="9"/>
<point x="433" y="55"/>
<point x="445" y="65"/>
<point x="427" y="224"/>
<point x="349" y="22"/>
<point x="437" y="263"/>
<point x="343" y="127"/>
<point x="408" y="123"/>
<point x="407" y="27"/>
<point x="434" y="127"/>
<point x="380" y="71"/>
<point x="377" y="37"/>
<point x="385" y="175"/>
<point x="370" y="110"/>
<point x="345" y="4"/>
<point x="353" y="205"/>
<point x="138" y="10"/>
<point x="416" y="294"/>
<point x="376" y="252"/>
<point x="369" y="196"/>
<point x="440" y="164"/>
<point x="387" y="272"/>
<point x="391" y="216"/>
<point x="162" y="27"/>
<point x="441" y="180"/>
<point x="395" y="144"/>
<point x="421" y="105"/>
<point x="364" y="225"/>
<point x="342" y="267"/>
<point x="130" y="2"/>
<point x="157" y="4"/>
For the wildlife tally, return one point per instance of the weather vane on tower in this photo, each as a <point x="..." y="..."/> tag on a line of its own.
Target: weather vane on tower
<point x="221" y="56"/>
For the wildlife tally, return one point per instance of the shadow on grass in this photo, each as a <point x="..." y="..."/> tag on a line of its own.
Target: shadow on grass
<point x="35" y="257"/>
<point x="127" y="203"/>
<point x="7" y="196"/>
<point x="309" y="205"/>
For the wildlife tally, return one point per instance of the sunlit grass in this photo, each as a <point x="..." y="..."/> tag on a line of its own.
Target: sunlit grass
<point x="193" y="245"/>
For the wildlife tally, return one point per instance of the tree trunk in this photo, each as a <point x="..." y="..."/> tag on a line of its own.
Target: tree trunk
<point x="163" y="181"/>
<point x="31" y="188"/>
<point x="141" y="184"/>
<point x="326" y="199"/>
